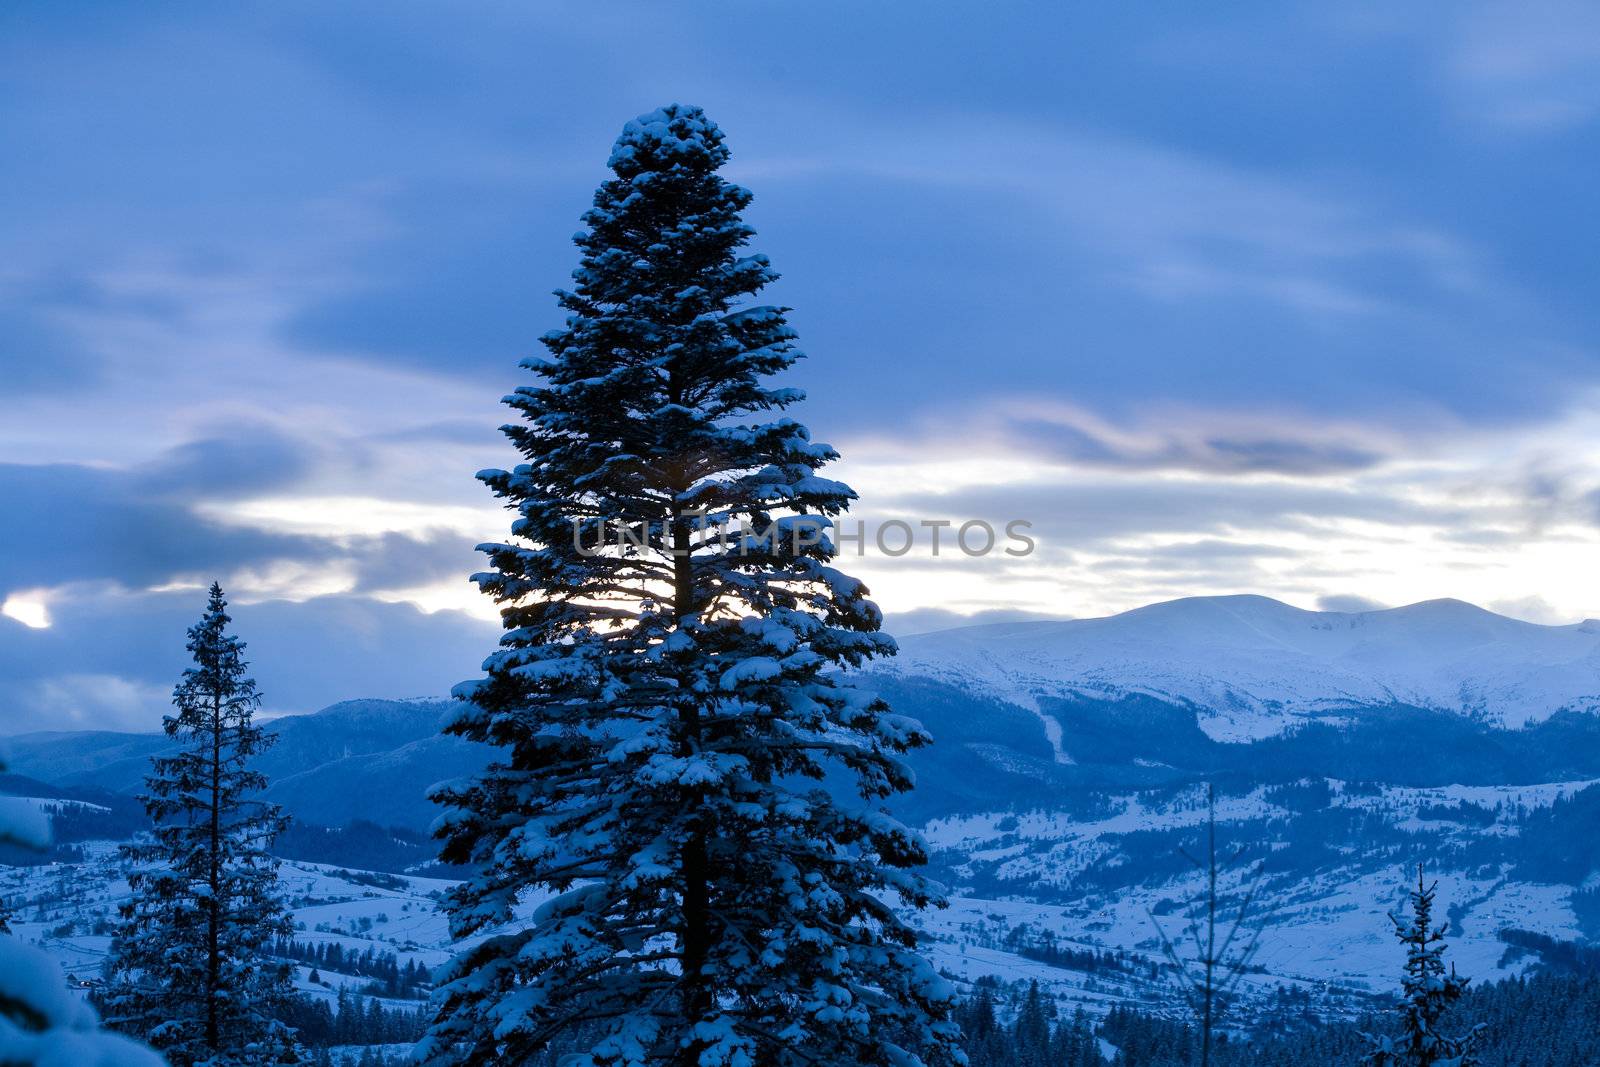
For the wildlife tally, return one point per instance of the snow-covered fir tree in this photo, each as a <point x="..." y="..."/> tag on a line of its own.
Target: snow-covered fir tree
<point x="1031" y="1033"/>
<point x="666" y="709"/>
<point x="190" y="968"/>
<point x="1427" y="991"/>
<point x="42" y="1024"/>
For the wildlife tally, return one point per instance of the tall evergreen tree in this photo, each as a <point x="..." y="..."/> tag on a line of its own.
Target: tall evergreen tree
<point x="982" y="1037"/>
<point x="1031" y="1034"/>
<point x="1073" y="1044"/>
<point x="667" y="708"/>
<point x="1426" y="992"/>
<point x="191" y="970"/>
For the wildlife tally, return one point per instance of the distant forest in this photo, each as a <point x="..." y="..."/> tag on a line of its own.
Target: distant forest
<point x="1548" y="1019"/>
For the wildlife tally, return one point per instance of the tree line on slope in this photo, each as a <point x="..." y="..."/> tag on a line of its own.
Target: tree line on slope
<point x="351" y="1020"/>
<point x="389" y="977"/>
<point x="1546" y="1020"/>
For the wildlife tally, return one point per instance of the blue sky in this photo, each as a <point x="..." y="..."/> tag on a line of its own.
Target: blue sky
<point x="1289" y="299"/>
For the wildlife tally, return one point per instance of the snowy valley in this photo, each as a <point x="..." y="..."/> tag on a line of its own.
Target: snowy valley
<point x="1067" y="780"/>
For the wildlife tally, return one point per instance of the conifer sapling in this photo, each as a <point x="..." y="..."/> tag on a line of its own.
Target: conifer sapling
<point x="1427" y="991"/>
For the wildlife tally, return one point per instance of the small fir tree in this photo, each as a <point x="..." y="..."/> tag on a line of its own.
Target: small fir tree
<point x="190" y="968"/>
<point x="667" y="708"/>
<point x="1223" y="947"/>
<point x="1427" y="992"/>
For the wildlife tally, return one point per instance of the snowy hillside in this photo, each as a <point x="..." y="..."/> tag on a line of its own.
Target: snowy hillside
<point x="1059" y="898"/>
<point x="1064" y="787"/>
<point x="1335" y="858"/>
<point x="358" y="759"/>
<point x="1253" y="667"/>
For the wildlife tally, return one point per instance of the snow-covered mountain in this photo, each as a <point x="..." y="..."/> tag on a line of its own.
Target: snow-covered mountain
<point x="1253" y="667"/>
<point x="358" y="759"/>
<point x="1072" y="759"/>
<point x="1068" y="779"/>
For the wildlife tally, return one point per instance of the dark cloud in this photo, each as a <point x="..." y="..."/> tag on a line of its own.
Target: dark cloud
<point x="1288" y="457"/>
<point x="962" y="205"/>
<point x="1084" y="208"/>
<point x="66" y="523"/>
<point x="397" y="561"/>
<point x="1085" y="447"/>
<point x="473" y="432"/>
<point x="246" y="459"/>
<point x="143" y="525"/>
<point x="41" y="350"/>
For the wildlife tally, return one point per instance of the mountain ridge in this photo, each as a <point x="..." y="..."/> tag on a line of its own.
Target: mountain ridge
<point x="1339" y="804"/>
<point x="1175" y="689"/>
<point x="1254" y="667"/>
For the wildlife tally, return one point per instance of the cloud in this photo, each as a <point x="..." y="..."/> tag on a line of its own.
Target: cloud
<point x="463" y="286"/>
<point x="999" y="236"/>
<point x="1532" y="608"/>
<point x="111" y="657"/>
<point x="79" y="701"/>
<point x="69" y="522"/>
<point x="927" y="620"/>
<point x="242" y="460"/>
<point x="1349" y="602"/>
<point x="1212" y="442"/>
<point x="1485" y="516"/>
<point x="181" y="518"/>
<point x="1180" y="272"/>
<point x="1530" y="69"/>
<point x="1206" y="338"/>
<point x="1086" y="513"/>
<point x="395" y="561"/>
<point x="37" y="355"/>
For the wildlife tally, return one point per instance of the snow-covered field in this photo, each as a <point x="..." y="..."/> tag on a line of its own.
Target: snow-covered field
<point x="69" y="910"/>
<point x="1327" y="931"/>
<point x="1325" y="936"/>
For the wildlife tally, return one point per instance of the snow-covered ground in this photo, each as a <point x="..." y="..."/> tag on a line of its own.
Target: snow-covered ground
<point x="1326" y="931"/>
<point x="69" y="909"/>
<point x="1326" y="936"/>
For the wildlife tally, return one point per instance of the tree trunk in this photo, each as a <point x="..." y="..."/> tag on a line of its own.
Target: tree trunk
<point x="213" y="922"/>
<point x="697" y="995"/>
<point x="1211" y="925"/>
